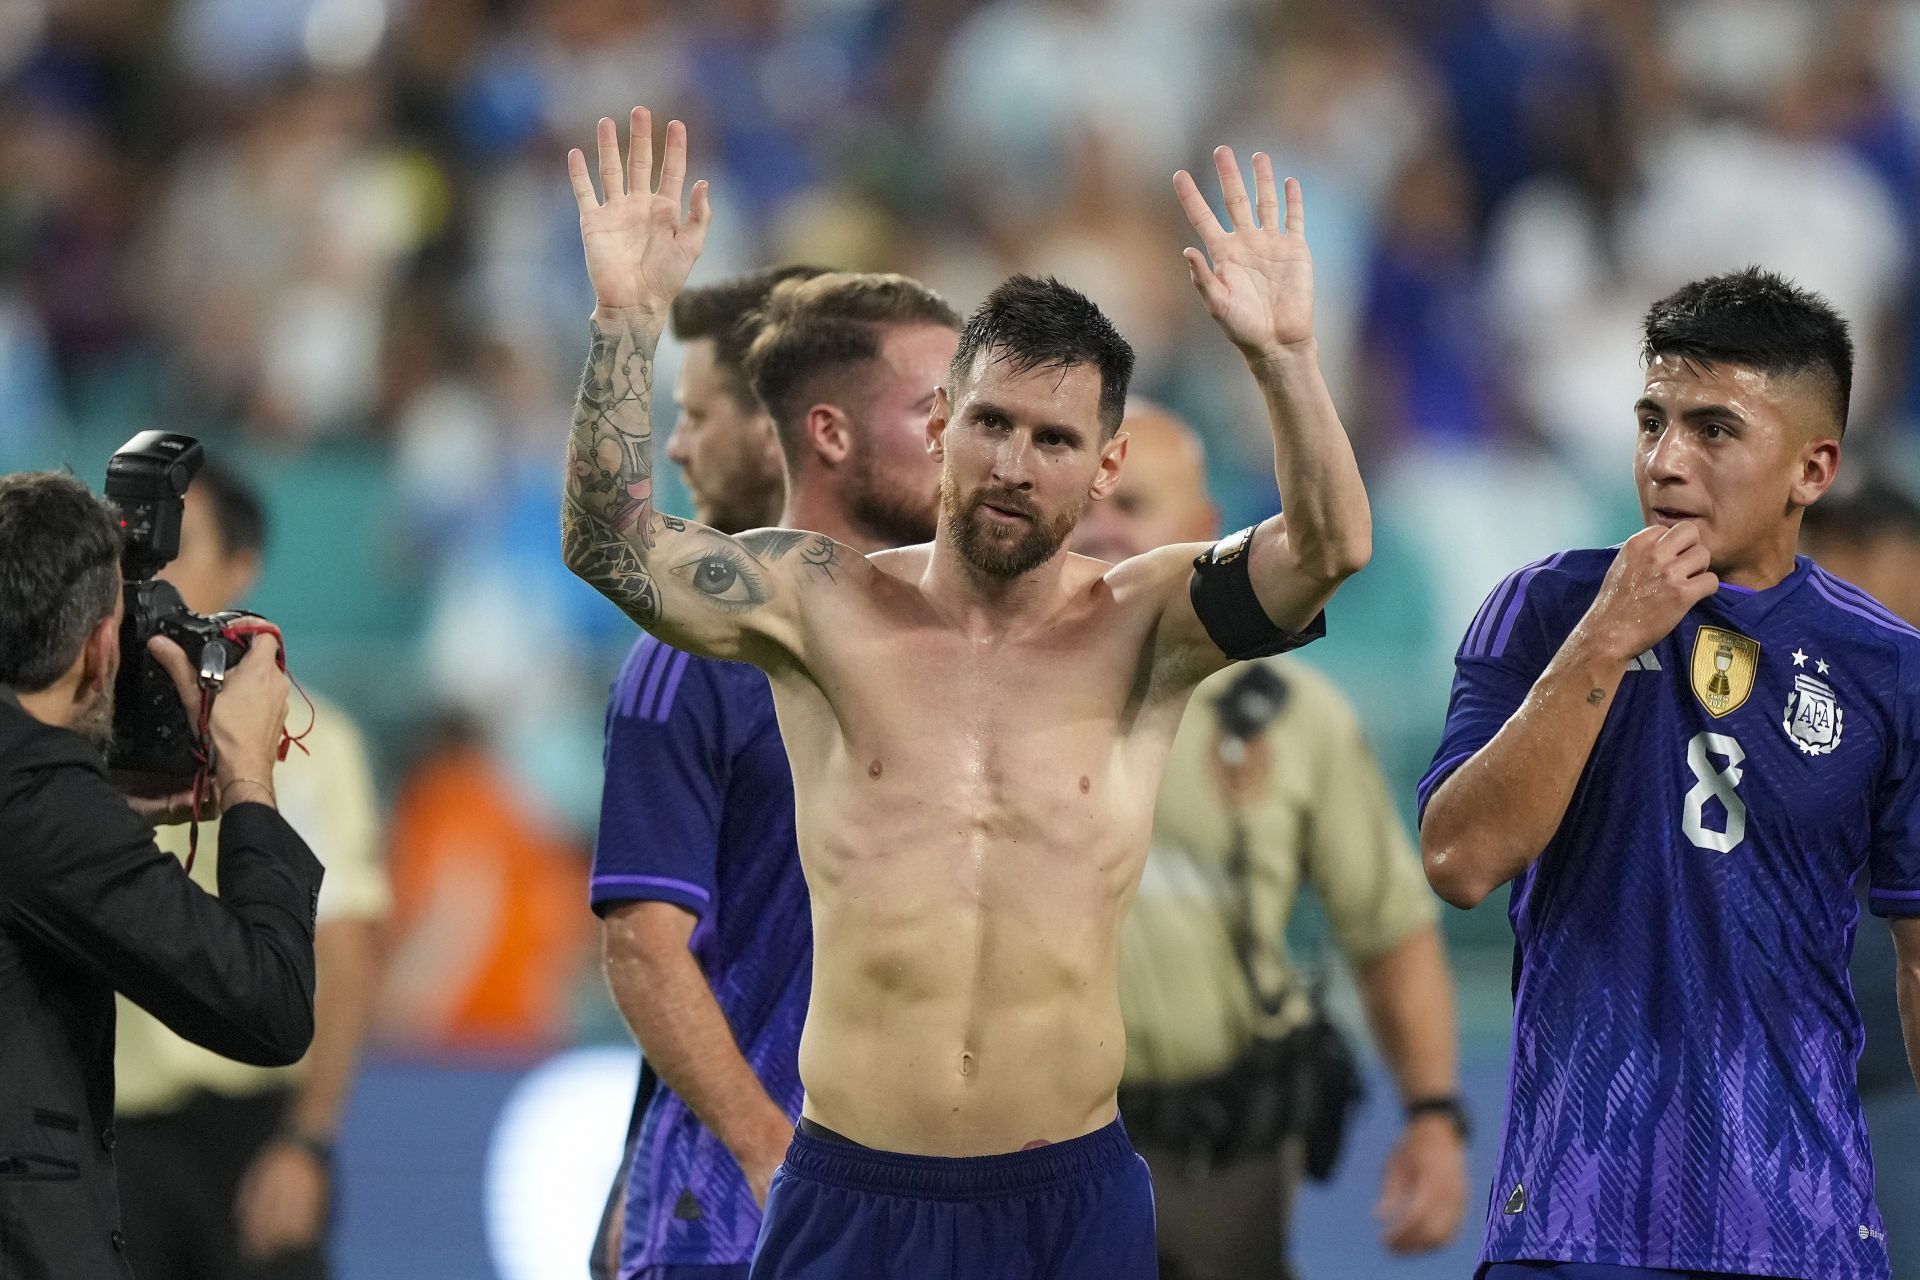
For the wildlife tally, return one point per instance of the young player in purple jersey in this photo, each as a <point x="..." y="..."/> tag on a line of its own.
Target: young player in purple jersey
<point x="1681" y="752"/>
<point x="708" y="939"/>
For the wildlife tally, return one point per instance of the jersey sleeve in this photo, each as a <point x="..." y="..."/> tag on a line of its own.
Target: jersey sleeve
<point x="1893" y="866"/>
<point x="1508" y="645"/>
<point x="660" y="806"/>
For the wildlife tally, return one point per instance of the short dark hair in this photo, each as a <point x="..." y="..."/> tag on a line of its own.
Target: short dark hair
<point x="1040" y="324"/>
<point x="725" y="312"/>
<point x="1869" y="510"/>
<point x="237" y="512"/>
<point x="825" y="326"/>
<point x="1758" y="319"/>
<point x="59" y="574"/>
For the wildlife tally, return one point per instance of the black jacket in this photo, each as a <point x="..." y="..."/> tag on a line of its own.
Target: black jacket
<point x="89" y="906"/>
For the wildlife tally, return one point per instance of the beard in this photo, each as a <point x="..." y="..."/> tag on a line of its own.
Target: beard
<point x="94" y="722"/>
<point x="999" y="550"/>
<point x="751" y="499"/>
<point x="889" y="513"/>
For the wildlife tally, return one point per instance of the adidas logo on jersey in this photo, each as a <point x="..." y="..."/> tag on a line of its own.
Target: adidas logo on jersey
<point x="1645" y="662"/>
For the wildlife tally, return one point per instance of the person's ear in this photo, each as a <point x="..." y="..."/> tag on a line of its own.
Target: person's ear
<point x="937" y="419"/>
<point x="829" y="434"/>
<point x="1112" y="454"/>
<point x="99" y="658"/>
<point x="1819" y="464"/>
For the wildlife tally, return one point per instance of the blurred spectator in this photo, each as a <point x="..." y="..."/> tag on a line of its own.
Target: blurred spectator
<point x="1430" y="372"/>
<point x="276" y="252"/>
<point x="1869" y="534"/>
<point x="488" y="940"/>
<point x="227" y="1169"/>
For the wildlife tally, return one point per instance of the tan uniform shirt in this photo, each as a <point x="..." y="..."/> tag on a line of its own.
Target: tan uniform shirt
<point x="328" y="797"/>
<point x="1315" y="807"/>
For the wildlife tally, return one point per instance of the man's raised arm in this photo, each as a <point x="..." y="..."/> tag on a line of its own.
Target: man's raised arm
<point x="695" y="587"/>
<point x="1257" y="283"/>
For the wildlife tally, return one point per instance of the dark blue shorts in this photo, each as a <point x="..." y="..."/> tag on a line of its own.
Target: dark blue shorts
<point x="1075" y="1210"/>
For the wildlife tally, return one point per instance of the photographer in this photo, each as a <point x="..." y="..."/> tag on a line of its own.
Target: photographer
<point x="89" y="905"/>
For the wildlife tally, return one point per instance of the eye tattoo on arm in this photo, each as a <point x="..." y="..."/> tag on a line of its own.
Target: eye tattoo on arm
<point x="726" y="577"/>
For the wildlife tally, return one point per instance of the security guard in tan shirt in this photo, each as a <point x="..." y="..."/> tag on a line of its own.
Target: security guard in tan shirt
<point x="1270" y="784"/>
<point x="225" y="1169"/>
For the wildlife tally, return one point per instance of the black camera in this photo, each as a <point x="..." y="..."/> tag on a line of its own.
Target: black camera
<point x="154" y="746"/>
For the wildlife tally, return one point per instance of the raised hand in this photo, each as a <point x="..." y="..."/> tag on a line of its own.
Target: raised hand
<point x="1259" y="283"/>
<point x="1658" y="576"/>
<point x="640" y="248"/>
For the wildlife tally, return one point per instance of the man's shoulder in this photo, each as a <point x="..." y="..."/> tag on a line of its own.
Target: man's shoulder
<point x="1574" y="569"/>
<point x="657" y="680"/>
<point x="1850" y="613"/>
<point x="1555" y="589"/>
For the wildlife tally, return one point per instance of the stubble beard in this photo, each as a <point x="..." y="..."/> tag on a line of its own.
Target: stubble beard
<point x="891" y="514"/>
<point x="751" y="500"/>
<point x="999" y="554"/>
<point x="95" y="721"/>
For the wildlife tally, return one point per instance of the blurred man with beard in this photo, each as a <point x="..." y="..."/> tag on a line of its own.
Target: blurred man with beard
<point x="723" y="442"/>
<point x="1270" y="789"/>
<point x="708" y="944"/>
<point x="89" y="905"/>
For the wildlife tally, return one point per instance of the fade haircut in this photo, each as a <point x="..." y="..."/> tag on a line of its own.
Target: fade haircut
<point x="237" y="512"/>
<point x="1042" y="324"/>
<point x="1761" y="321"/>
<point x="724" y="313"/>
<point x="826" y="326"/>
<point x="59" y="574"/>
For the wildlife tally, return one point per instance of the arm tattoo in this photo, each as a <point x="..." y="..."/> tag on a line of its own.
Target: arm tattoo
<point x="609" y="523"/>
<point x="726" y="576"/>
<point x="817" y="551"/>
<point x="821" y="554"/>
<point x="770" y="544"/>
<point x="1596" y="696"/>
<point x="610" y="563"/>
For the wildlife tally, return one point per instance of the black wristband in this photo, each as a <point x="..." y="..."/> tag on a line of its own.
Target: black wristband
<point x="1450" y="1105"/>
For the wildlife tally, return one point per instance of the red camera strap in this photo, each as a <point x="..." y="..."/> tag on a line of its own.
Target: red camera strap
<point x="242" y="631"/>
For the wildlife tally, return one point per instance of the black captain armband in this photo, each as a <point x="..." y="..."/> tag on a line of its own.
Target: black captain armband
<point x="1222" y="592"/>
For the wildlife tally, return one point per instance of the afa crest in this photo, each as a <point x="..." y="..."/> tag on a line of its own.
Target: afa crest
<point x="1813" y="718"/>
<point x="1231" y="547"/>
<point x="1724" y="666"/>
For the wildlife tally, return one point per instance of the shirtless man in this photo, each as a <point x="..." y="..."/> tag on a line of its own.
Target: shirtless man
<point x="977" y="726"/>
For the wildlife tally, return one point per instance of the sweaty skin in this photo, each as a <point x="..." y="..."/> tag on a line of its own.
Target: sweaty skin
<point x="973" y="815"/>
<point x="975" y="753"/>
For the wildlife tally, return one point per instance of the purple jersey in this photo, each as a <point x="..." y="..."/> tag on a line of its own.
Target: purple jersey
<point x="1682" y="1085"/>
<point x="698" y="810"/>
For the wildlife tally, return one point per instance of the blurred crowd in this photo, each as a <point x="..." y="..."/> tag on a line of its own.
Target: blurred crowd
<point x="340" y="229"/>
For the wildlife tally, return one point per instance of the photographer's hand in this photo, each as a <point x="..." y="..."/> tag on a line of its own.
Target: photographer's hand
<point x="249" y="716"/>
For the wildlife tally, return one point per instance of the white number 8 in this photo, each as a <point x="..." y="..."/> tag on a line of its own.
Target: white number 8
<point x="1715" y="784"/>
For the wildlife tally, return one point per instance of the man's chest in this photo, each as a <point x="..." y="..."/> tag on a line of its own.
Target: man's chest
<point x="1002" y="703"/>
